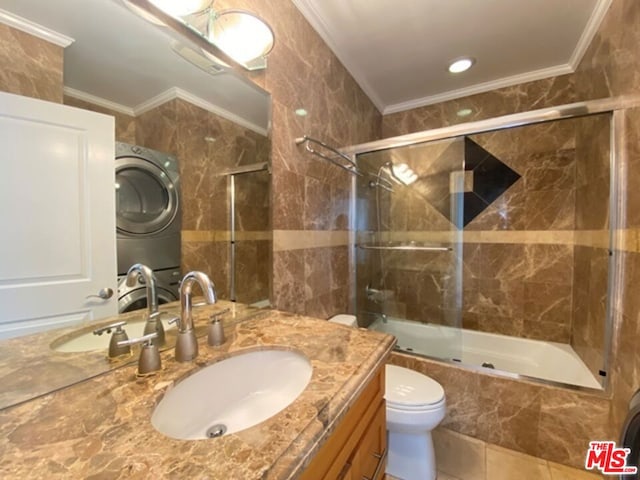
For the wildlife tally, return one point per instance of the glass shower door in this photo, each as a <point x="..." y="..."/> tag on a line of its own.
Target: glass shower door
<point x="250" y="235"/>
<point x="409" y="256"/>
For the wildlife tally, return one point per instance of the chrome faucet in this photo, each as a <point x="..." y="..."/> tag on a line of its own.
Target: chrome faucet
<point x="153" y="324"/>
<point x="186" y="343"/>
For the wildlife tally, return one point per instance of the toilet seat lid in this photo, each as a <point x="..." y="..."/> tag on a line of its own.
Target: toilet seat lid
<point x="409" y="388"/>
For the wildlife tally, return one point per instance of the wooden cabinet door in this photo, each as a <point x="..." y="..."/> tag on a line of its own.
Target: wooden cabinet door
<point x="371" y="453"/>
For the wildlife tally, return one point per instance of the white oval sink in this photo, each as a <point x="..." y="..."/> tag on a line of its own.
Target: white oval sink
<point x="87" y="341"/>
<point x="233" y="394"/>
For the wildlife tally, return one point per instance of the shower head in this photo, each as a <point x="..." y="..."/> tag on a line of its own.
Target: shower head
<point x="379" y="181"/>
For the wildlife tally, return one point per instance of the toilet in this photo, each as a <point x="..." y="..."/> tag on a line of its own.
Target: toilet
<point x="415" y="406"/>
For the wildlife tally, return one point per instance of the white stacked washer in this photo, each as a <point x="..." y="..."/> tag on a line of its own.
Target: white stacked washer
<point x="416" y="404"/>
<point x="148" y="221"/>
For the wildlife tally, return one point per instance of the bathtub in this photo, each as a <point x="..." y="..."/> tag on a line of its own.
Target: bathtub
<point x="550" y="361"/>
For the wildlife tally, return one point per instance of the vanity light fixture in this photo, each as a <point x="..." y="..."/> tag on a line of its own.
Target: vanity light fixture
<point x="242" y="35"/>
<point x="460" y="65"/>
<point x="228" y="37"/>
<point x="182" y="8"/>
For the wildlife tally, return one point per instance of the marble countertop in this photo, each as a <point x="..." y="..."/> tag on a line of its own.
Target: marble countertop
<point x="101" y="428"/>
<point x="30" y="367"/>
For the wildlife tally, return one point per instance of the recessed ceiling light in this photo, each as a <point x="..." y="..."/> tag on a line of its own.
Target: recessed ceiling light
<point x="464" y="112"/>
<point x="301" y="112"/>
<point x="461" y="65"/>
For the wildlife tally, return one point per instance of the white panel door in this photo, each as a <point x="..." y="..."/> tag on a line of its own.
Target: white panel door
<point x="57" y="214"/>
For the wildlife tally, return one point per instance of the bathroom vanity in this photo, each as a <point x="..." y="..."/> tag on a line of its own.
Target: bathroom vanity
<point x="102" y="426"/>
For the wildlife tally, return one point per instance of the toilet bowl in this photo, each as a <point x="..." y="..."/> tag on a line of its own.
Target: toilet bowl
<point x="415" y="406"/>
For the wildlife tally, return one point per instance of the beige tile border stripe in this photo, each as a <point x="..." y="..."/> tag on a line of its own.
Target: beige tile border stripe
<point x="298" y="239"/>
<point x="595" y="238"/>
<point x="222" y="235"/>
<point x="625" y="240"/>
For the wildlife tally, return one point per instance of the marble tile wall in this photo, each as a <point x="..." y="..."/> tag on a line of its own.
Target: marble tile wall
<point x="30" y="66"/>
<point x="512" y="285"/>
<point x="206" y="145"/>
<point x="547" y="422"/>
<point x="125" y="124"/>
<point x="253" y="257"/>
<point x="503" y="101"/>
<point x="563" y="420"/>
<point x="309" y="194"/>
<point x="626" y="355"/>
<point x="611" y="67"/>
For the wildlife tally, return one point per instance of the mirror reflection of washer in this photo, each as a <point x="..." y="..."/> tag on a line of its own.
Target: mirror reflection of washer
<point x="148" y="222"/>
<point x="135" y="297"/>
<point x="630" y="437"/>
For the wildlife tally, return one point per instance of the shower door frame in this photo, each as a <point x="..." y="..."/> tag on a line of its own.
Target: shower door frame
<point x="231" y="174"/>
<point x="617" y="204"/>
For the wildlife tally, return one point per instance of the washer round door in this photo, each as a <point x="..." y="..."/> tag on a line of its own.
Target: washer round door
<point x="137" y="299"/>
<point x="146" y="198"/>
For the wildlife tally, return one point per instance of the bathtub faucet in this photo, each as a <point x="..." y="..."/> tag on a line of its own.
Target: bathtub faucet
<point x="381" y="315"/>
<point x="376" y="295"/>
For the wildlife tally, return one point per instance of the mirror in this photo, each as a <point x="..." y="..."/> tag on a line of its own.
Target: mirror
<point x="166" y="97"/>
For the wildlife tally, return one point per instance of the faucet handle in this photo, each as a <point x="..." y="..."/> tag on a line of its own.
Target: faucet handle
<point x="156" y="315"/>
<point x="108" y="328"/>
<point x="145" y="340"/>
<point x="215" y="334"/>
<point x="149" y="360"/>
<point x="218" y="315"/>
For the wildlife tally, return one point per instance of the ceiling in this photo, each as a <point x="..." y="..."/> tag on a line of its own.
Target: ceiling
<point x="120" y="61"/>
<point x="399" y="51"/>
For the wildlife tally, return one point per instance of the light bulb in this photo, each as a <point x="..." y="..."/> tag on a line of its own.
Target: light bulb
<point x="241" y="35"/>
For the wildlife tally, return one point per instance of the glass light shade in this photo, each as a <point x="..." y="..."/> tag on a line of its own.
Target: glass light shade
<point x="241" y="35"/>
<point x="182" y="8"/>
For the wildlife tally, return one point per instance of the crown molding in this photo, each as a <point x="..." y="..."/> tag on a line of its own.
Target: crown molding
<point x="309" y="12"/>
<point x="99" y="101"/>
<point x="175" y="92"/>
<point x="161" y="99"/>
<point x="34" y="29"/>
<point x="589" y="32"/>
<point x="479" y="88"/>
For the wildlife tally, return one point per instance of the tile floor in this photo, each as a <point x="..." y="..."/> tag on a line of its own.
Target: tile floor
<point x="465" y="458"/>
